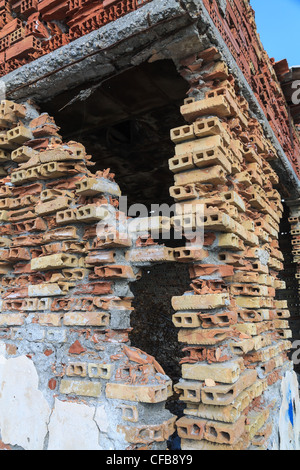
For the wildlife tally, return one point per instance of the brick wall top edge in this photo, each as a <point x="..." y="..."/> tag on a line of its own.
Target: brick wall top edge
<point x="31" y="29"/>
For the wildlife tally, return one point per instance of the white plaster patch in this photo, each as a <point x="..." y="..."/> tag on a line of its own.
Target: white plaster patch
<point x="24" y="412"/>
<point x="72" y="427"/>
<point x="289" y="420"/>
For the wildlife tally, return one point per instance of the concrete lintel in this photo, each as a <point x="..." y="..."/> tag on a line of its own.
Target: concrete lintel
<point x="99" y="54"/>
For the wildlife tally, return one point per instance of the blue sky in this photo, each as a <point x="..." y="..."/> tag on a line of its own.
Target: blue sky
<point x="278" y="24"/>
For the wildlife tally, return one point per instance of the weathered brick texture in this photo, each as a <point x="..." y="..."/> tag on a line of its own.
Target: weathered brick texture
<point x="230" y="324"/>
<point x="65" y="283"/>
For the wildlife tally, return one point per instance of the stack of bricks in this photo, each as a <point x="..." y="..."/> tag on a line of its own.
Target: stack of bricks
<point x="65" y="274"/>
<point x="32" y="28"/>
<point x="235" y="334"/>
<point x="235" y="21"/>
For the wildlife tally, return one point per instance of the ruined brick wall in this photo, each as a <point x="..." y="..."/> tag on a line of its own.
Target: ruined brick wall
<point x="69" y="378"/>
<point x="294" y="274"/>
<point x="236" y="22"/>
<point x="66" y="299"/>
<point x="235" y="333"/>
<point x="31" y="28"/>
<point x="151" y="321"/>
<point x="66" y="276"/>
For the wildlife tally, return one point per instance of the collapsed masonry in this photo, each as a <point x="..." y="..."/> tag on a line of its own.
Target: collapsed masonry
<point x="66" y="301"/>
<point x="32" y="28"/>
<point x="68" y="370"/>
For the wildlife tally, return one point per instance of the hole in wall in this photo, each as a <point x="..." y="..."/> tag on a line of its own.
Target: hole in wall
<point x="125" y="126"/>
<point x="153" y="329"/>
